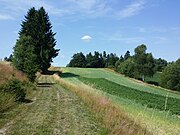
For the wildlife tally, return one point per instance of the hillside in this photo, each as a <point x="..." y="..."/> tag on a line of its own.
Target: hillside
<point x="93" y="101"/>
<point x="143" y="102"/>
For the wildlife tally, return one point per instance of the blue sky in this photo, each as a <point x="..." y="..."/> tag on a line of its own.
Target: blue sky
<point x="99" y="25"/>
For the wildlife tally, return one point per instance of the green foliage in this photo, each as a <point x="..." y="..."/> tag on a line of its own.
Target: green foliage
<point x="6" y="101"/>
<point x="170" y="77"/>
<point x="127" y="67"/>
<point x="155" y="79"/>
<point x="98" y="60"/>
<point x="160" y="64"/>
<point x="25" y="57"/>
<point x="34" y="50"/>
<point x="94" y="61"/>
<point x="14" y="86"/>
<point x="78" y="60"/>
<point x="139" y="65"/>
<point x="144" y="61"/>
<point x="9" y="59"/>
<point x="111" y="60"/>
<point x="127" y="55"/>
<point x="89" y="60"/>
<point x="145" y="98"/>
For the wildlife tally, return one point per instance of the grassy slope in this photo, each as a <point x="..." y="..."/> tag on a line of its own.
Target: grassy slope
<point x="119" y="79"/>
<point x="155" y="121"/>
<point x="54" y="110"/>
<point x="145" y="98"/>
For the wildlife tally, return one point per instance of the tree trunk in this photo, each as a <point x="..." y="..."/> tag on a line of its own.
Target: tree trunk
<point x="143" y="78"/>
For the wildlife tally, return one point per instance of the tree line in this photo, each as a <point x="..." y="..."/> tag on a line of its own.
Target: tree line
<point x="138" y="66"/>
<point x="96" y="60"/>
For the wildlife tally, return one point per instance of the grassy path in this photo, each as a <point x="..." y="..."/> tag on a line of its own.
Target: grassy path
<point x="54" y="110"/>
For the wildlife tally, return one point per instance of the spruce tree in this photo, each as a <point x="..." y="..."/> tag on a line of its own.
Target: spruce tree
<point x="25" y="58"/>
<point x="127" y="55"/>
<point x="46" y="40"/>
<point x="35" y="46"/>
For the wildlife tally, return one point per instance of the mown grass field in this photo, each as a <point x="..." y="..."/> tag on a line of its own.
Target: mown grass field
<point x="153" y="107"/>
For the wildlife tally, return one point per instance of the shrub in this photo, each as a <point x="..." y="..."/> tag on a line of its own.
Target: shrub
<point x="16" y="87"/>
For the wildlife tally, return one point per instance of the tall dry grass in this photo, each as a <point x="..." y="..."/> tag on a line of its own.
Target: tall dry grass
<point x="113" y="118"/>
<point x="6" y="101"/>
<point x="7" y="72"/>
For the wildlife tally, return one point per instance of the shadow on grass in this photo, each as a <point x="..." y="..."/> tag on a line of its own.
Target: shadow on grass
<point x="153" y="83"/>
<point x="26" y="101"/>
<point x="52" y="72"/>
<point x="68" y="75"/>
<point x="63" y="75"/>
<point x="45" y="84"/>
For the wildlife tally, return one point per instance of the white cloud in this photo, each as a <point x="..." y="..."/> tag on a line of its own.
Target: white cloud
<point x="84" y="4"/>
<point x="66" y="8"/>
<point x="119" y="37"/>
<point x="73" y="9"/>
<point x="128" y="39"/>
<point x="6" y="17"/>
<point x="160" y="40"/>
<point x="131" y="9"/>
<point x="158" y="29"/>
<point x="86" y="38"/>
<point x="16" y="8"/>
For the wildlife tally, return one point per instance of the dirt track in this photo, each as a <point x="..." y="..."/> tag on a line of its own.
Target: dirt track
<point x="54" y="110"/>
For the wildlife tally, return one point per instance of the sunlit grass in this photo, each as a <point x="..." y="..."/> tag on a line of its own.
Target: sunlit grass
<point x="155" y="121"/>
<point x="119" y="79"/>
<point x="145" y="98"/>
<point x="114" y="118"/>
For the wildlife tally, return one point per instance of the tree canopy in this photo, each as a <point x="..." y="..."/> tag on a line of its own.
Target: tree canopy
<point x="170" y="77"/>
<point x="144" y="61"/>
<point x="141" y="64"/>
<point x="98" y="60"/>
<point x="78" y="60"/>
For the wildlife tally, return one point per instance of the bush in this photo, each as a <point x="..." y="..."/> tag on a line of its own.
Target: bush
<point x="127" y="68"/>
<point x="14" y="86"/>
<point x="170" y="77"/>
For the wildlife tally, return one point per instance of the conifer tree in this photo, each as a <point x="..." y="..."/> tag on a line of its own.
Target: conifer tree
<point x="36" y="43"/>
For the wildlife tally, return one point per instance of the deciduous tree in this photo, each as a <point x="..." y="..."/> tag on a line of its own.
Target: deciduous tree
<point x="170" y="77"/>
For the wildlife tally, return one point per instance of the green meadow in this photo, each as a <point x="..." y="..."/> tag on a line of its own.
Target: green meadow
<point x="155" y="108"/>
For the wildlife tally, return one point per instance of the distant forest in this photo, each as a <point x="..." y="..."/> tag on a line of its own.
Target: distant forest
<point x="138" y="66"/>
